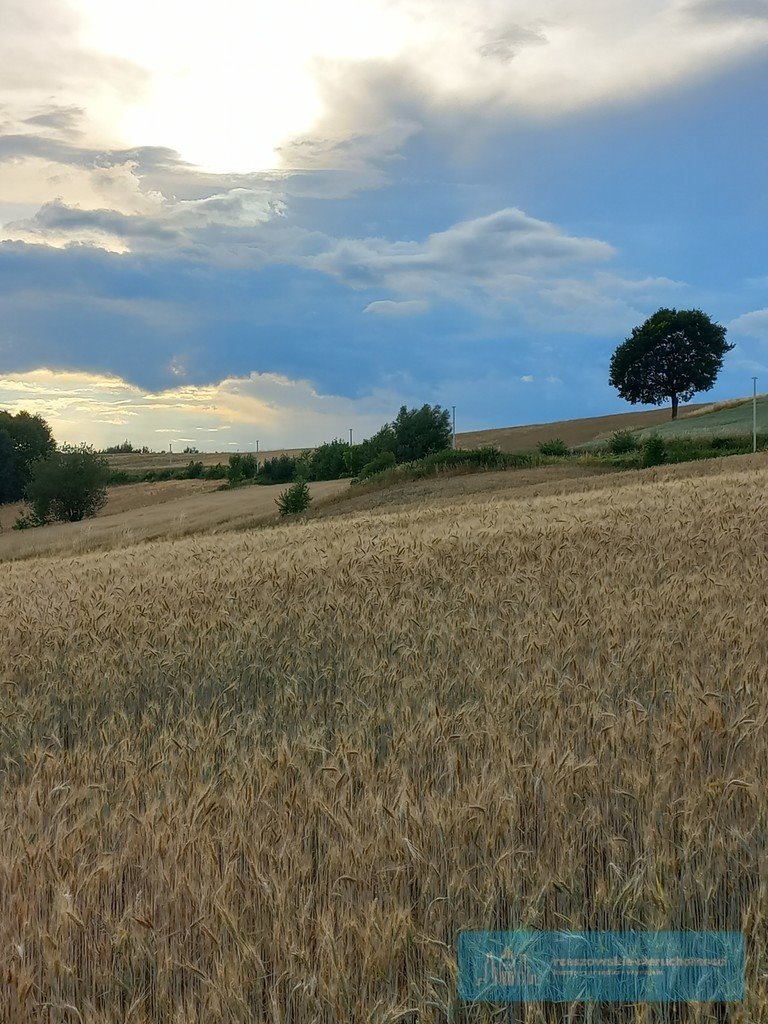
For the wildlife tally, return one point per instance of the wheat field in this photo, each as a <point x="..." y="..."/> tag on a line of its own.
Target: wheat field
<point x="271" y="775"/>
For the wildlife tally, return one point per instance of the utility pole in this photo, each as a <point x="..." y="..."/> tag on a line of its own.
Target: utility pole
<point x="257" y="447"/>
<point x="350" y="437"/>
<point x="170" y="454"/>
<point x="754" y="414"/>
<point x="453" y="427"/>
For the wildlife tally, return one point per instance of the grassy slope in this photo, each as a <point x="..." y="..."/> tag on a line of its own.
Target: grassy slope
<point x="271" y="775"/>
<point x="139" y="512"/>
<point x="573" y="432"/>
<point x="733" y="418"/>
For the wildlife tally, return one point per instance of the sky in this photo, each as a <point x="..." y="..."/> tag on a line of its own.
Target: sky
<point x="223" y="223"/>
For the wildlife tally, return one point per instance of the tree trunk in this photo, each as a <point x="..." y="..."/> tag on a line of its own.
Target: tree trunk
<point x="674" y="407"/>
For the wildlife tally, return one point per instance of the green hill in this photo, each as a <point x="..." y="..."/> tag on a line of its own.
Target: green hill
<point x="729" y="420"/>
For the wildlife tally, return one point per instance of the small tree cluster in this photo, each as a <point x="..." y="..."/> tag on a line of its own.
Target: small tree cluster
<point x="68" y="485"/>
<point x="241" y="468"/>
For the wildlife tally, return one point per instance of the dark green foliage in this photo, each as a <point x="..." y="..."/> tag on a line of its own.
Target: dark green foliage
<point x="384" y="460"/>
<point x="279" y="470"/>
<point x="295" y="499"/>
<point x="359" y="455"/>
<point x="30" y="439"/>
<point x="241" y="468"/>
<point x="654" y="451"/>
<point x="193" y="471"/>
<point x="454" y="462"/>
<point x="673" y="355"/>
<point x="420" y="432"/>
<point x="191" y="451"/>
<point x="122" y="476"/>
<point x="329" y="461"/>
<point x="10" y="485"/>
<point x="69" y="485"/>
<point x="555" y="446"/>
<point x="623" y="441"/>
<point x="217" y="472"/>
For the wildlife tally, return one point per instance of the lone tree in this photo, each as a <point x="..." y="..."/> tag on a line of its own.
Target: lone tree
<point x="69" y="485"/>
<point x="674" y="354"/>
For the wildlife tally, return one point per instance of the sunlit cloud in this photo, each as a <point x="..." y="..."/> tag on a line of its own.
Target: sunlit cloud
<point x="104" y="410"/>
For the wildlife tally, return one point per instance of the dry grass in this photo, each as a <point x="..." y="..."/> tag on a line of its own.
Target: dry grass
<point x="269" y="776"/>
<point x="573" y="432"/>
<point x="142" y="512"/>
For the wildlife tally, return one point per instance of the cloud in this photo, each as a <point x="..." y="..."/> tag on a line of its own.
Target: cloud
<point x="390" y="307"/>
<point x="527" y="378"/>
<point x="729" y="10"/>
<point x="508" y="42"/>
<point x="280" y="411"/>
<point x="753" y="325"/>
<point x="495" y="254"/>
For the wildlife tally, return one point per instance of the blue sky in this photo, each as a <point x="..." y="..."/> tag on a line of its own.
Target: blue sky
<point x="468" y="204"/>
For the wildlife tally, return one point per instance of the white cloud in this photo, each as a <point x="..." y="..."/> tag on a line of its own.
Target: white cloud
<point x="753" y="325"/>
<point x="527" y="379"/>
<point x="496" y="254"/>
<point x="389" y="307"/>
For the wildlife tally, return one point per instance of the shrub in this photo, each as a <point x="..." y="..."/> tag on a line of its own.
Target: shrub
<point x="385" y="460"/>
<point x="555" y="446"/>
<point x="294" y="499"/>
<point x="217" y="472"/>
<point x="69" y="485"/>
<point x="622" y="442"/>
<point x="279" y="470"/>
<point x="193" y="471"/>
<point x="654" y="452"/>
<point x="26" y="521"/>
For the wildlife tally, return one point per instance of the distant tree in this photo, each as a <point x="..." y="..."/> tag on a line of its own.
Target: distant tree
<point x="420" y="432"/>
<point x="328" y="461"/>
<point x="69" y="485"/>
<point x="191" y="451"/>
<point x="673" y="355"/>
<point x="241" y="467"/>
<point x="279" y="470"/>
<point x="30" y="439"/>
<point x="120" y="449"/>
<point x="359" y="455"/>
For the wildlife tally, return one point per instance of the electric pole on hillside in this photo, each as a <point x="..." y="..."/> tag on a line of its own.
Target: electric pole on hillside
<point x="350" y="437"/>
<point x="170" y="454"/>
<point x="453" y="426"/>
<point x="754" y="414"/>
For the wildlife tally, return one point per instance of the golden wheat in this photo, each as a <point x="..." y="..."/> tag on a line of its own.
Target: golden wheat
<point x="270" y="775"/>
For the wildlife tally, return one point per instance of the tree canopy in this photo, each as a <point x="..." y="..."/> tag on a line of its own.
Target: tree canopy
<point x="68" y="485"/>
<point x="24" y="439"/>
<point x="420" y="432"/>
<point x="673" y="355"/>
